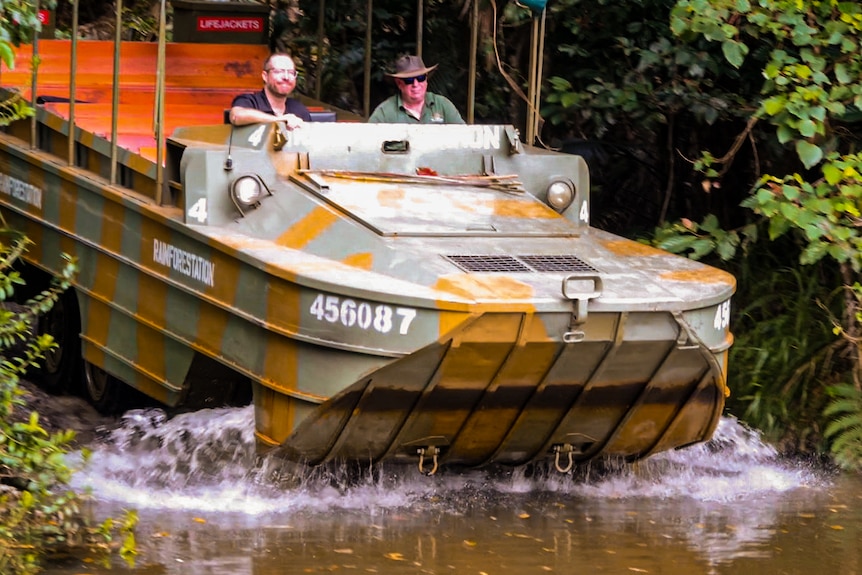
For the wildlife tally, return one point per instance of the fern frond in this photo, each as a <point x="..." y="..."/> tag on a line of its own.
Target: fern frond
<point x="843" y="424"/>
<point x="849" y="443"/>
<point x="845" y="428"/>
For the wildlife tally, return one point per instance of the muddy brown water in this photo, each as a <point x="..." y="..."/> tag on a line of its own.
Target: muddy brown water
<point x="209" y="508"/>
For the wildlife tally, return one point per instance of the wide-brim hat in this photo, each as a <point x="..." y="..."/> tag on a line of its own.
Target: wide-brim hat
<point x="410" y="66"/>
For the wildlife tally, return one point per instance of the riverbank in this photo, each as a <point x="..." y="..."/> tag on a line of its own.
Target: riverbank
<point x="62" y="412"/>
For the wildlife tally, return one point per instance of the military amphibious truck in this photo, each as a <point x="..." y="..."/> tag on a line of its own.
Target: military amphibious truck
<point x="425" y="294"/>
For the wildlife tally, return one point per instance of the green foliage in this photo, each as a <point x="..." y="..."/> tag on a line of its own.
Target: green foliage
<point x="845" y="430"/>
<point x="808" y="55"/>
<point x="784" y="349"/>
<point x="38" y="514"/>
<point x="699" y="240"/>
<point x="812" y="74"/>
<point x="826" y="211"/>
<point x="632" y="72"/>
<point x="19" y="21"/>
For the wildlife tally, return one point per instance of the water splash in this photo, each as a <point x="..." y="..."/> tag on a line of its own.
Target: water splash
<point x="206" y="460"/>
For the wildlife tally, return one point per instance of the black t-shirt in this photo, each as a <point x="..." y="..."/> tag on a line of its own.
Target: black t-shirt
<point x="258" y="101"/>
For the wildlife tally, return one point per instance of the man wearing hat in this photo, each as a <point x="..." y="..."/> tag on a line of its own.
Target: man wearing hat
<point x="414" y="104"/>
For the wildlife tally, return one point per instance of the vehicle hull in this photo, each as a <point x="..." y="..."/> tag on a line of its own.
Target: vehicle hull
<point x="357" y="326"/>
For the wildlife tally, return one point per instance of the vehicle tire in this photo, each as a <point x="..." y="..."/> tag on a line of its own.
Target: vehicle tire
<point x="60" y="370"/>
<point x="102" y="390"/>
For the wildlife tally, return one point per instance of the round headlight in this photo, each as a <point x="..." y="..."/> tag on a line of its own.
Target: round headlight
<point x="247" y="190"/>
<point x="561" y="195"/>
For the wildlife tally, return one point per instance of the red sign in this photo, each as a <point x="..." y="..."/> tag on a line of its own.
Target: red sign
<point x="230" y="24"/>
<point x="44" y="17"/>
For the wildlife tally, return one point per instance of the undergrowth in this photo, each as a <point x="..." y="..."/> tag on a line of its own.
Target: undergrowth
<point x="785" y="363"/>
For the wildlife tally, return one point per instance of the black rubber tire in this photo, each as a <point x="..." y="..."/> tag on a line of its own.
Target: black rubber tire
<point x="102" y="390"/>
<point x="60" y="370"/>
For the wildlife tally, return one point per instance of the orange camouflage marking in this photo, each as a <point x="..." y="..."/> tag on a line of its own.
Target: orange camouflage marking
<point x="225" y="276"/>
<point x="484" y="287"/>
<point x="448" y="322"/>
<point x="312" y="225"/>
<point x="210" y="328"/>
<point x="491" y="328"/>
<point x="152" y="307"/>
<point x="362" y="260"/>
<point x="282" y="306"/>
<point x="97" y="324"/>
<point x="105" y="281"/>
<point x="113" y="215"/>
<point x="150" y="352"/>
<point x="390" y="197"/>
<point x="280" y="364"/>
<point x="34" y="232"/>
<point x="632" y="248"/>
<point x="522" y="210"/>
<point x="707" y="275"/>
<point x="274" y="415"/>
<point x="307" y="266"/>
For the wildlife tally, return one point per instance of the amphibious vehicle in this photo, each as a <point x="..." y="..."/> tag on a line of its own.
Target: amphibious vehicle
<point x="427" y="294"/>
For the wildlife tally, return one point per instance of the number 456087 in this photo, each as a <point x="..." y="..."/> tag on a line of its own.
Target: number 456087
<point x="350" y="313"/>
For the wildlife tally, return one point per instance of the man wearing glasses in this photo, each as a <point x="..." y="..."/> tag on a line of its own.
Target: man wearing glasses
<point x="414" y="104"/>
<point x="272" y="103"/>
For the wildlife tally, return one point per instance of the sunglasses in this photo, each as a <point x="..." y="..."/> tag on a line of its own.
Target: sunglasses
<point x="420" y="79"/>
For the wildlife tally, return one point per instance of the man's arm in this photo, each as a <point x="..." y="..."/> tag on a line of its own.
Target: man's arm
<point x="240" y="116"/>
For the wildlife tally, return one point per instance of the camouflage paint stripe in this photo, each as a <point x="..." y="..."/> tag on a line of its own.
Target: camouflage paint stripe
<point x="309" y="227"/>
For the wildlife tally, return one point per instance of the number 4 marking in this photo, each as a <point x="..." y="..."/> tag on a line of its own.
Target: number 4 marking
<point x="257" y="136"/>
<point x="198" y="211"/>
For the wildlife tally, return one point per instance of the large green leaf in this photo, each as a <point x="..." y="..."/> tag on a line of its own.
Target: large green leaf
<point x="734" y="51"/>
<point x="808" y="153"/>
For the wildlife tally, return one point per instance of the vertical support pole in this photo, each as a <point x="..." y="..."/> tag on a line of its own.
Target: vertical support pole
<point x="530" y="124"/>
<point x="321" y="19"/>
<point x="115" y="91"/>
<point x="474" y="46"/>
<point x="420" y="25"/>
<point x="73" y="74"/>
<point x="34" y="83"/>
<point x="366" y="82"/>
<point x="159" y="120"/>
<point x="540" y="62"/>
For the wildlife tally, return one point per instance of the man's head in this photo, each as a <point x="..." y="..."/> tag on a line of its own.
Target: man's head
<point x="279" y="75"/>
<point x="411" y="77"/>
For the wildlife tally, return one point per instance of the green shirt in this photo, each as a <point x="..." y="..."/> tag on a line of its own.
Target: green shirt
<point x="438" y="110"/>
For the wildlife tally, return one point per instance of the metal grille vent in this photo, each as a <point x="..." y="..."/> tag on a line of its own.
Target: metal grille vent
<point x="557" y="264"/>
<point x="520" y="264"/>
<point x="488" y="263"/>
